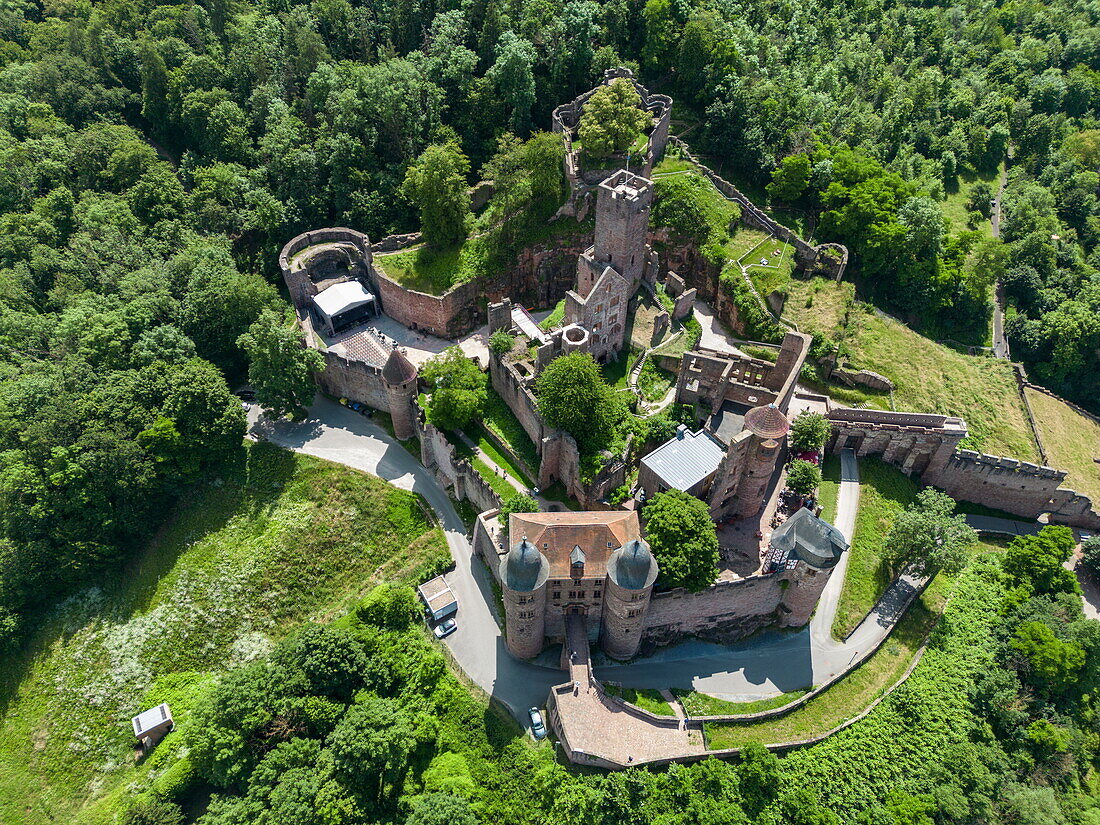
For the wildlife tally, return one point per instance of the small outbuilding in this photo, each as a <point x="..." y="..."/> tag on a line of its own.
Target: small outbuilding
<point x="438" y="597"/>
<point x="687" y="461"/>
<point x="343" y="305"/>
<point x="150" y="726"/>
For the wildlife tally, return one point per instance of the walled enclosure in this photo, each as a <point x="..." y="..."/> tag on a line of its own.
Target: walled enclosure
<point x="925" y="445"/>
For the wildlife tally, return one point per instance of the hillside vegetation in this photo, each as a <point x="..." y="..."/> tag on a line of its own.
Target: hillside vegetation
<point x="279" y="539"/>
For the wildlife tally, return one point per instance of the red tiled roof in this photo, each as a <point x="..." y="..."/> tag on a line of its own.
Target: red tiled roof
<point x="767" y="422"/>
<point x="556" y="534"/>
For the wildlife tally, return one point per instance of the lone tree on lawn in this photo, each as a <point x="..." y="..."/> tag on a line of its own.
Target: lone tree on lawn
<point x="803" y="477"/>
<point x="809" y="431"/>
<point x="612" y="119"/>
<point x="928" y="536"/>
<point x="436" y="184"/>
<point x="681" y="534"/>
<point x="459" y="389"/>
<point x="280" y="367"/>
<point x="574" y="397"/>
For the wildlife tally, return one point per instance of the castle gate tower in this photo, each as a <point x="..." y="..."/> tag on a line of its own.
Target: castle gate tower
<point x="631" y="571"/>
<point x="523" y="574"/>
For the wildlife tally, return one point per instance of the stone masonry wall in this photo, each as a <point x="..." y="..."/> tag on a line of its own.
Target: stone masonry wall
<point x="438" y="456"/>
<point x="356" y="380"/>
<point x="518" y="398"/>
<point x="724" y="612"/>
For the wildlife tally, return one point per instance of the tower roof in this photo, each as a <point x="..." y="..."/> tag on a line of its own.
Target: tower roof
<point x="767" y="422"/>
<point x="398" y="369"/>
<point x="632" y="566"/>
<point x="524" y="569"/>
<point x="813" y="540"/>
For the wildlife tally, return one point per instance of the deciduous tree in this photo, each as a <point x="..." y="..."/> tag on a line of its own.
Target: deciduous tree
<point x="436" y="184"/>
<point x="684" y="540"/>
<point x="280" y="366"/>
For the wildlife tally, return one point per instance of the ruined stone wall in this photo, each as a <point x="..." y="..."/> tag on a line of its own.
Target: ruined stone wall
<point x="925" y="445"/>
<point x="1018" y="487"/>
<point x="437" y="454"/>
<point x="724" y="612"/>
<point x="298" y="282"/>
<point x="539" y="276"/>
<point x="520" y="400"/>
<point x="356" y="380"/>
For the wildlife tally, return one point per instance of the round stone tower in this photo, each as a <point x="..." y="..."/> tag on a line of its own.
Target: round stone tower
<point x="769" y="427"/>
<point x="631" y="571"/>
<point x="399" y="378"/>
<point x="815" y="547"/>
<point x="523" y="574"/>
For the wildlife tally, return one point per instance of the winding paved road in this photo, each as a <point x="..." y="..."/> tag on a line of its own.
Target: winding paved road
<point x="768" y="664"/>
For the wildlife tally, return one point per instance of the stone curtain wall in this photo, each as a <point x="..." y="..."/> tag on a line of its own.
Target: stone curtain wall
<point x="829" y="258"/>
<point x="520" y="400"/>
<point x="926" y="445"/>
<point x="437" y="454"/>
<point x="724" y="612"/>
<point x="356" y="380"/>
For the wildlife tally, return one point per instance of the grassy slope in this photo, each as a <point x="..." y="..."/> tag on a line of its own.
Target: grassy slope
<point x="1072" y="441"/>
<point x="954" y="203"/>
<point x="699" y="704"/>
<point x="858" y="689"/>
<point x="284" y="538"/>
<point x="644" y="698"/>
<point x="928" y="377"/>
<point x="883" y="492"/>
<point x="422" y="269"/>
<point x="829" y="489"/>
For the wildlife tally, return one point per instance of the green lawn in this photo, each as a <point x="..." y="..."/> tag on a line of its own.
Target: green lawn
<point x="699" y="704"/>
<point x="775" y="276"/>
<point x="928" y="377"/>
<point x="883" y="492"/>
<point x="954" y="203"/>
<point x="502" y="421"/>
<point x="556" y="316"/>
<point x="644" y="698"/>
<point x="501" y="458"/>
<point x="499" y="485"/>
<point x="281" y="539"/>
<point x="1072" y="442"/>
<point x="423" y="269"/>
<point x="829" y="489"/>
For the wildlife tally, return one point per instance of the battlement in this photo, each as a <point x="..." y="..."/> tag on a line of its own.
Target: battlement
<point x="997" y="463"/>
<point x="899" y="420"/>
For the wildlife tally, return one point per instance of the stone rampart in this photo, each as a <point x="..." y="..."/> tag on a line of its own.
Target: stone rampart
<point x="298" y="281"/>
<point x="925" y="445"/>
<point x="356" y="380"/>
<point x="830" y="258"/>
<point x="450" y="315"/>
<point x="438" y="455"/>
<point x="724" y="612"/>
<point x="520" y="400"/>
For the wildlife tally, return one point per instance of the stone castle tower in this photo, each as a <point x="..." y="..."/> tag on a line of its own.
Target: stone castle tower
<point x="739" y="487"/>
<point x="523" y="574"/>
<point x="399" y="377"/>
<point x="805" y="549"/>
<point x="622" y="220"/>
<point x="631" y="571"/>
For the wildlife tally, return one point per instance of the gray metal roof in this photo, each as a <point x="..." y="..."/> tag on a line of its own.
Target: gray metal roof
<point x="686" y="459"/>
<point x="728" y="421"/>
<point x="807" y="537"/>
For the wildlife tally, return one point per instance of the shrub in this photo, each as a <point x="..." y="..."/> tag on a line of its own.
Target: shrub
<point x="501" y="341"/>
<point x="519" y="503"/>
<point x="803" y="477"/>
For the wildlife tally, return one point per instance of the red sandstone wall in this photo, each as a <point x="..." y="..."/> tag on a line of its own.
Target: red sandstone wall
<point x="727" y="611"/>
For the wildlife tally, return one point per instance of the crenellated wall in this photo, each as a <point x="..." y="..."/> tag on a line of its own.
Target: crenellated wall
<point x="731" y="610"/>
<point x="926" y="445"/>
<point x="457" y="474"/>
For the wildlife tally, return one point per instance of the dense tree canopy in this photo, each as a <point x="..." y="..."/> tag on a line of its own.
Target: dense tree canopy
<point x="436" y="183"/>
<point x="683" y="539"/>
<point x="573" y="395"/>
<point x="458" y="389"/>
<point x="612" y="119"/>
<point x="928" y="537"/>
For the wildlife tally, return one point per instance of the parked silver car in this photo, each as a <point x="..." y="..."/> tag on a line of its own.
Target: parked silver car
<point x="538" y="727"/>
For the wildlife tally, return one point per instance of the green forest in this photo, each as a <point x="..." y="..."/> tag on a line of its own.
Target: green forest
<point x="154" y="158"/>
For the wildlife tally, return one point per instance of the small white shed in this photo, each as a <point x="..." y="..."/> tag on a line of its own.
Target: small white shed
<point x="151" y="725"/>
<point x="438" y="597"/>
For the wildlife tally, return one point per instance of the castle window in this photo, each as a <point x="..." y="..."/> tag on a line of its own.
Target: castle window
<point x="580" y="594"/>
<point x="572" y="594"/>
<point x="595" y="594"/>
<point x="556" y="594"/>
<point x="630" y="614"/>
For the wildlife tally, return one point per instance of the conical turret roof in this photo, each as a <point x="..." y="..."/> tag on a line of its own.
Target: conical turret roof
<point x="632" y="566"/>
<point x="398" y="369"/>
<point x="524" y="569"/>
<point x="767" y="422"/>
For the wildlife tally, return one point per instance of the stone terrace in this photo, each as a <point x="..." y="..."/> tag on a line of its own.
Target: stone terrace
<point x="603" y="730"/>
